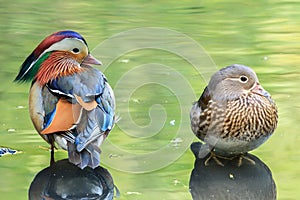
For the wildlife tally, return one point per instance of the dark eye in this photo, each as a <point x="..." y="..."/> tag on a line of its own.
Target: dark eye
<point x="75" y="50"/>
<point x="244" y="79"/>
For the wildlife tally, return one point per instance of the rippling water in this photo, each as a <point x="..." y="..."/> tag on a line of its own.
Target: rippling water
<point x="147" y="152"/>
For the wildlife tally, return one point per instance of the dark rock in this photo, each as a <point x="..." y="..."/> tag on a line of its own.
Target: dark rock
<point x="63" y="180"/>
<point x="249" y="181"/>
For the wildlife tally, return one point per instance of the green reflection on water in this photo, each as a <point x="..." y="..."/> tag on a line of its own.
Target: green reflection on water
<point x="263" y="34"/>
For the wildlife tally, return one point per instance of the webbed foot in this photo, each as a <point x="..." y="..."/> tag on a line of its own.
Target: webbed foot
<point x="245" y="157"/>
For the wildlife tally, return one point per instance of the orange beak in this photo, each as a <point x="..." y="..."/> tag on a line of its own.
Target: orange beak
<point x="90" y="60"/>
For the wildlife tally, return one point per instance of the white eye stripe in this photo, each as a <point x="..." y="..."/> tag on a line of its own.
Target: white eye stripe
<point x="242" y="79"/>
<point x="67" y="44"/>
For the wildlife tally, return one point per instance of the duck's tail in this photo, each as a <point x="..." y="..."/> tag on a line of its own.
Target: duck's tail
<point x="89" y="156"/>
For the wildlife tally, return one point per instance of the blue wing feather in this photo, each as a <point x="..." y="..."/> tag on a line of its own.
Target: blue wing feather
<point x="90" y="85"/>
<point x="49" y="117"/>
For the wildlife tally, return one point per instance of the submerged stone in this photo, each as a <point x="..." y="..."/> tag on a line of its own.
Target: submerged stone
<point x="63" y="180"/>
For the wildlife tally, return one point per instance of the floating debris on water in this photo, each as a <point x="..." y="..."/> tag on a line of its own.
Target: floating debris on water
<point x="124" y="60"/>
<point x="172" y="122"/>
<point x="176" y="142"/>
<point x="5" y="151"/>
<point x="135" y="193"/>
<point x="114" y="155"/>
<point x="176" y="182"/>
<point x="10" y="130"/>
<point x="136" y="100"/>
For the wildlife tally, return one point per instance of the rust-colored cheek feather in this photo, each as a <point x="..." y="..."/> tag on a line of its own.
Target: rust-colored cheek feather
<point x="56" y="65"/>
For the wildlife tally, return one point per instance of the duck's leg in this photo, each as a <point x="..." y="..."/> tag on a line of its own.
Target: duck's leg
<point x="52" y="147"/>
<point x="244" y="156"/>
<point x="52" y="160"/>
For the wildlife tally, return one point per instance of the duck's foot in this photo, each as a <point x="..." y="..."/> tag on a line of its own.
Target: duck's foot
<point x="245" y="157"/>
<point x="215" y="158"/>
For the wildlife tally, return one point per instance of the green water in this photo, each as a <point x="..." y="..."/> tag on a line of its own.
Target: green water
<point x="147" y="152"/>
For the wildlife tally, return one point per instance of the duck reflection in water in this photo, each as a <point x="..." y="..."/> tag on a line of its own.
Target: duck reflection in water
<point x="249" y="181"/>
<point x="63" y="180"/>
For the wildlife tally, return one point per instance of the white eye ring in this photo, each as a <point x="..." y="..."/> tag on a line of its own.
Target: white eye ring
<point x="75" y="50"/>
<point x="243" y="79"/>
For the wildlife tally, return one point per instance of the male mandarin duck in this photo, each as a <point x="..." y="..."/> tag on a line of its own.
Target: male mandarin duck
<point x="234" y="114"/>
<point x="70" y="102"/>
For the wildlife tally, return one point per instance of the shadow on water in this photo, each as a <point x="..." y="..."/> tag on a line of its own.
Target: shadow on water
<point x="63" y="180"/>
<point x="231" y="182"/>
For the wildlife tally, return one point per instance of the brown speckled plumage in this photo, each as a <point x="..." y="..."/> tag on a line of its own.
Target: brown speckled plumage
<point x="232" y="115"/>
